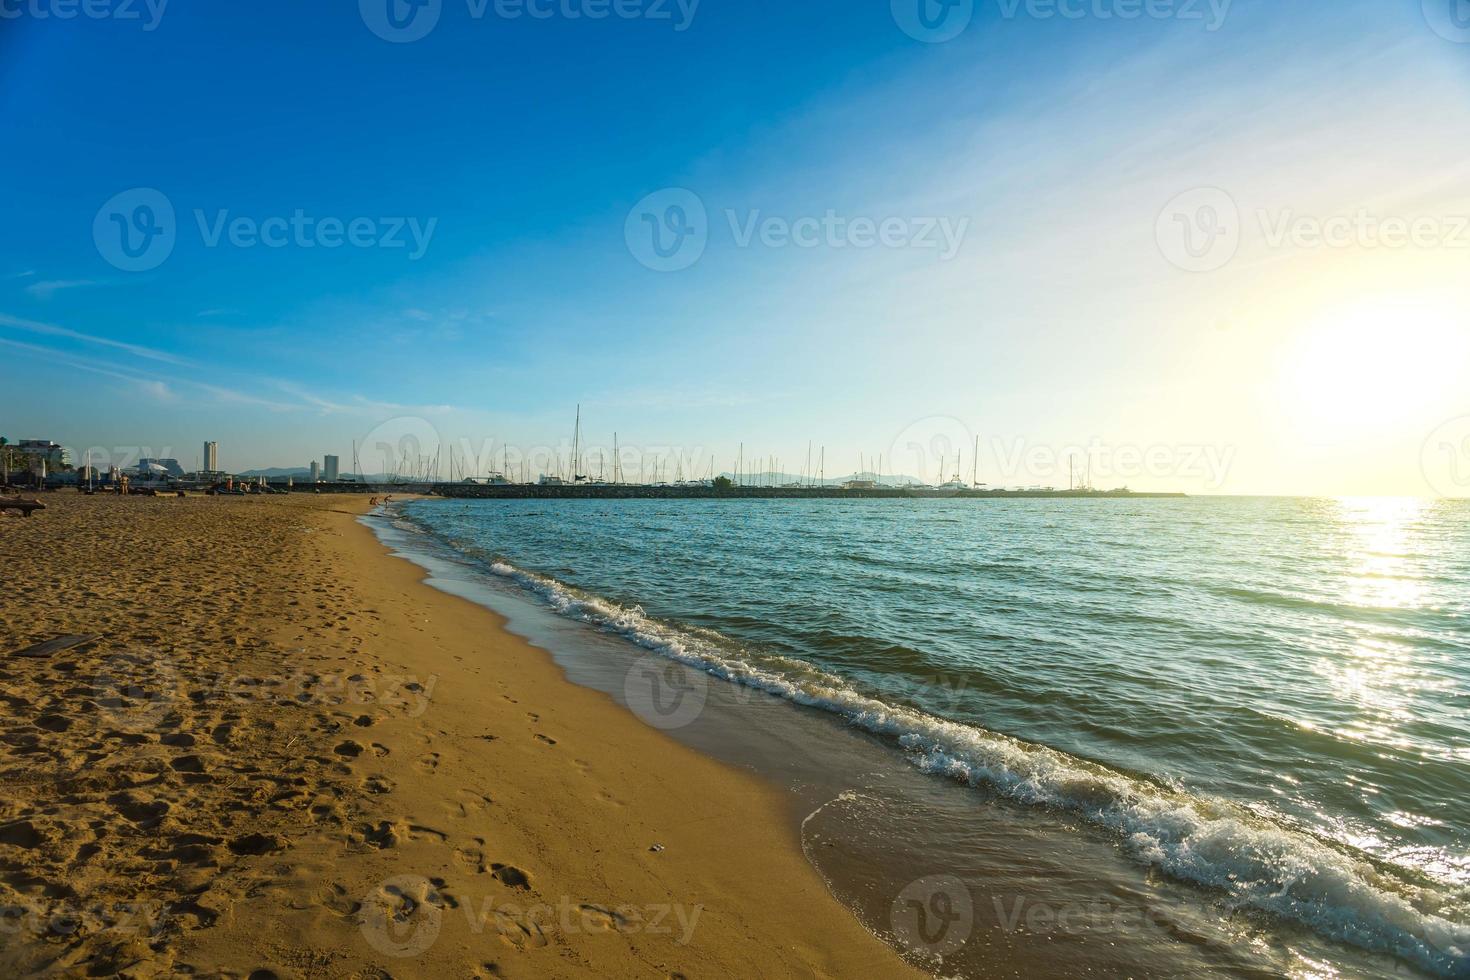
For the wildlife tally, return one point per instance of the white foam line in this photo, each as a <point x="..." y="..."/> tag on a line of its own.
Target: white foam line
<point x="1209" y="842"/>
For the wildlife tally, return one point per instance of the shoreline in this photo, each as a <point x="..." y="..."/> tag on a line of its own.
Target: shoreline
<point x="425" y="794"/>
<point x="1040" y="889"/>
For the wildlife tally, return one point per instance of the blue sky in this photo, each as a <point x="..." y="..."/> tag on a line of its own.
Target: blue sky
<point x="1046" y="145"/>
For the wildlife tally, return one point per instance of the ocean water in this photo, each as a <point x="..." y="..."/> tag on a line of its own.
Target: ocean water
<point x="1256" y="710"/>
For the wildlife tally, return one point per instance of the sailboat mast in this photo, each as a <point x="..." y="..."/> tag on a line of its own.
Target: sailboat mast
<point x="576" y="444"/>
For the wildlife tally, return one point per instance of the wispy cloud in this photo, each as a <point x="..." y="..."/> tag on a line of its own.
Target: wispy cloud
<point x="158" y="391"/>
<point x="52" y="330"/>
<point x="76" y="362"/>
<point x="361" y="406"/>
<point x="232" y="396"/>
<point x="158" y="388"/>
<point x="47" y="288"/>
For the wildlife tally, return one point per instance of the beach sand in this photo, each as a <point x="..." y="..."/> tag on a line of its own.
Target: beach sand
<point x="289" y="757"/>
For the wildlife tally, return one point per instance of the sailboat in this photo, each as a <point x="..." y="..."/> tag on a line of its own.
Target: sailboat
<point x="955" y="483"/>
<point x="578" y="478"/>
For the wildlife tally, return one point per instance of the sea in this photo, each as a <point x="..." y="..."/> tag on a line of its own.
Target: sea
<point x="1042" y="737"/>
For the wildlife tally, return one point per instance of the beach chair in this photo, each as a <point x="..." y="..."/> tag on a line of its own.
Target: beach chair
<point x="26" y="507"/>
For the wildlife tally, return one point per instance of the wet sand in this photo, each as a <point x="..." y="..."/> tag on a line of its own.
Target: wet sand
<point x="288" y="757"/>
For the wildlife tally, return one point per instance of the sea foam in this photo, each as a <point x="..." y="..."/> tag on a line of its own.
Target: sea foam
<point x="1256" y="863"/>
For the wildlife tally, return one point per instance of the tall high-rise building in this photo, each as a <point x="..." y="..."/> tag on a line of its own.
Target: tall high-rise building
<point x="211" y="457"/>
<point x="316" y="472"/>
<point x="330" y="465"/>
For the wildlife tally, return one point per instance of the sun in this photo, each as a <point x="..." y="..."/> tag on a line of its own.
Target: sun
<point x="1374" y="368"/>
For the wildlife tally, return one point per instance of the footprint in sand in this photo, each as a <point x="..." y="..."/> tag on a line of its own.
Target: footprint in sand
<point x="472" y="857"/>
<point x="519" y="934"/>
<point x="595" y="918"/>
<point x="511" y="876"/>
<point x="336" y="898"/>
<point x="389" y="833"/>
<point x="384" y="836"/>
<point x="258" y="844"/>
<point x="24" y="834"/>
<point x="470" y="800"/>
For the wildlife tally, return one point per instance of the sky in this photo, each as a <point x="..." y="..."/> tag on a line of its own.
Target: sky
<point x="1217" y="247"/>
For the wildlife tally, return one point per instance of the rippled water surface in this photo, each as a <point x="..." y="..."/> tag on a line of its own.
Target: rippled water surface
<point x="1266" y="699"/>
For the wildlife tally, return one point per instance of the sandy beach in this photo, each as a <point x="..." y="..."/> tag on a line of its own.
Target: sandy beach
<point x="287" y="757"/>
